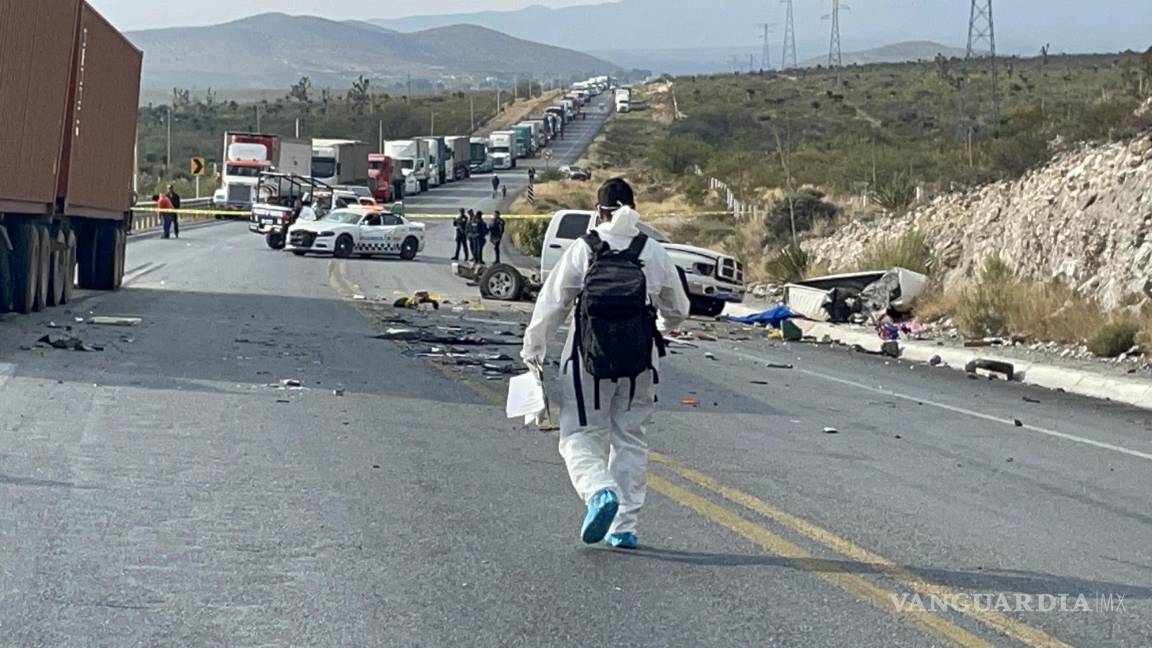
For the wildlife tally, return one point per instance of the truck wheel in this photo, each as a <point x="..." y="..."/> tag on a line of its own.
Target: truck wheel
<point x="24" y="266"/>
<point x="502" y="282"/>
<point x="69" y="266"/>
<point x="43" y="268"/>
<point x="121" y="255"/>
<point x="343" y="248"/>
<point x="423" y="186"/>
<point x="7" y="280"/>
<point x="59" y="269"/>
<point x="409" y="248"/>
<point x="706" y="306"/>
<point x="108" y="256"/>
<point x="275" y="240"/>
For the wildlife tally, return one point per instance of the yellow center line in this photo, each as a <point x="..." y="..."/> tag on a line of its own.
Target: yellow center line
<point x="855" y="585"/>
<point x="825" y="570"/>
<point x="996" y="620"/>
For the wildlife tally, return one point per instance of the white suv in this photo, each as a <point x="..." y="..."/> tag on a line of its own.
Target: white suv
<point x="712" y="279"/>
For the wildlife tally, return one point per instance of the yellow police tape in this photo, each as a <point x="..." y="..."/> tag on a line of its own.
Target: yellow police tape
<point x="413" y="215"/>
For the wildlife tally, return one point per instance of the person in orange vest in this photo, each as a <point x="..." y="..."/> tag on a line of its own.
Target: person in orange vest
<point x="163" y="202"/>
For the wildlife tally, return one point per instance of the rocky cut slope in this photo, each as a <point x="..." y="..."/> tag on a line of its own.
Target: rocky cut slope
<point x="1084" y="219"/>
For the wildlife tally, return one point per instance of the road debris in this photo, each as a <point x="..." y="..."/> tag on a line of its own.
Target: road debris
<point x="419" y="300"/>
<point x="1017" y="422"/>
<point x="778" y="365"/>
<point x="690" y="401"/>
<point x="831" y="430"/>
<point x="68" y="343"/>
<point x="1027" y="399"/>
<point x="115" y="321"/>
<point x="935" y="361"/>
<point x="991" y="369"/>
<point x="710" y="355"/>
<point x="891" y="348"/>
<point x="339" y="391"/>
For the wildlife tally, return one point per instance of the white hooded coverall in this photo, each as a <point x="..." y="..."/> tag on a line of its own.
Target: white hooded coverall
<point x="611" y="451"/>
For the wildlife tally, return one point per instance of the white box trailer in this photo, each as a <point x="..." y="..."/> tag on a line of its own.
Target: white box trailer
<point x="340" y="162"/>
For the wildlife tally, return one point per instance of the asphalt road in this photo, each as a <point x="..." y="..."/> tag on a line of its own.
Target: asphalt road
<point x="169" y="490"/>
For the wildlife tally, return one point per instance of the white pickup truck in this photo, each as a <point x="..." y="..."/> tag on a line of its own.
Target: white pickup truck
<point x="710" y="278"/>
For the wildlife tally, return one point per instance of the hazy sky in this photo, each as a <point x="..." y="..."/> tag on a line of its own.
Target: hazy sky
<point x="145" y="14"/>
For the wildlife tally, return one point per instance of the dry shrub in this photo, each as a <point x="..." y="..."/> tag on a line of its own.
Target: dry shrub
<point x="1114" y="338"/>
<point x="999" y="304"/>
<point x="909" y="251"/>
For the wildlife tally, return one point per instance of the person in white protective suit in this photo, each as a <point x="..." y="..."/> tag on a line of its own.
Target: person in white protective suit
<point x="607" y="459"/>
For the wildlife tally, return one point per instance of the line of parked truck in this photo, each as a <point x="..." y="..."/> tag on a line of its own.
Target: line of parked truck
<point x="404" y="167"/>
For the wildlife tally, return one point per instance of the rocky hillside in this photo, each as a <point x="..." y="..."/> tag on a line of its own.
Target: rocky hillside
<point x="1085" y="219"/>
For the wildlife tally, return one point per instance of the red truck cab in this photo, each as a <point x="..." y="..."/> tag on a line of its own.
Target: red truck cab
<point x="380" y="177"/>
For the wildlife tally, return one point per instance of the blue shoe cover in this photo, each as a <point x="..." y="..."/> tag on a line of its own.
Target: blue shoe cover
<point x="601" y="512"/>
<point x="626" y="540"/>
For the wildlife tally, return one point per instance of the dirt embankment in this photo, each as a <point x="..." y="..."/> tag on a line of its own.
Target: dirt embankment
<point x="516" y="112"/>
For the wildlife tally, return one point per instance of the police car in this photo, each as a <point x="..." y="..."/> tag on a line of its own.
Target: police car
<point x="358" y="230"/>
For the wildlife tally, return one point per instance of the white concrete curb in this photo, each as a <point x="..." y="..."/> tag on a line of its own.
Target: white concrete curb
<point x="1130" y="391"/>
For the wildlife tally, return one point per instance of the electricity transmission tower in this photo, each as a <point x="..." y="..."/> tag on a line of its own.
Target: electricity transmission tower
<point x="834" y="58"/>
<point x="982" y="29"/>
<point x="766" y="55"/>
<point x="788" y="58"/>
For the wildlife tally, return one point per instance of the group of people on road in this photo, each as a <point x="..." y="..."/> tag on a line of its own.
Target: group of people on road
<point x="473" y="233"/>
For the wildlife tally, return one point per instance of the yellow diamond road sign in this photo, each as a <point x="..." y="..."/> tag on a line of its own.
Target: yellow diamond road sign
<point x="197" y="166"/>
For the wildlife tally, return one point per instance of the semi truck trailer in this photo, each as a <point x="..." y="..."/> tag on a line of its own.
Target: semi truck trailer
<point x="69" y="92"/>
<point x="339" y="162"/>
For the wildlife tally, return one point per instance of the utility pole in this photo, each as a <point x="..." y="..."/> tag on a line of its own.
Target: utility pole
<point x="168" y="155"/>
<point x="381" y="131"/>
<point x="432" y="128"/>
<point x="766" y="54"/>
<point x="498" y="107"/>
<point x="297" y="128"/>
<point x="982" y="29"/>
<point x="736" y="64"/>
<point x="751" y="64"/>
<point x="788" y="60"/>
<point x="472" y="111"/>
<point x="515" y="88"/>
<point x="258" y="118"/>
<point x="409" y="87"/>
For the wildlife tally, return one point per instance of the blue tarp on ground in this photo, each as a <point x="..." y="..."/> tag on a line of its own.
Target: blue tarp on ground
<point x="772" y="317"/>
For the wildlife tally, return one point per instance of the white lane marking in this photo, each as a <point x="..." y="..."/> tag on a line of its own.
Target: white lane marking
<point x="957" y="410"/>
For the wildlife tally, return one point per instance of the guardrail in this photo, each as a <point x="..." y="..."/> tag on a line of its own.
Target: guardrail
<point x="145" y="215"/>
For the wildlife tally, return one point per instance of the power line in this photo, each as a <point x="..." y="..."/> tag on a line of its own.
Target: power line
<point x="788" y="59"/>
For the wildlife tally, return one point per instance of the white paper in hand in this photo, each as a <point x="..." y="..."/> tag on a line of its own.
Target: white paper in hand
<point x="525" y="398"/>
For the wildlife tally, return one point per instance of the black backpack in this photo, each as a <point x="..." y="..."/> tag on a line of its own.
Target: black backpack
<point x="615" y="324"/>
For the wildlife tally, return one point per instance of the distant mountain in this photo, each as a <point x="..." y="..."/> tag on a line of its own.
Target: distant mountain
<point x="272" y="51"/>
<point x="894" y="53"/>
<point x="1023" y="26"/>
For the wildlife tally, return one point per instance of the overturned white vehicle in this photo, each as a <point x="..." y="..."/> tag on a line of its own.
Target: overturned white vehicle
<point x="362" y="231"/>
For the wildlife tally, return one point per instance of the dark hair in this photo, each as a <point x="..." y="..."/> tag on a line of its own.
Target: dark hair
<point x="479" y="213"/>
<point x="155" y="197"/>
<point x="616" y="192"/>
